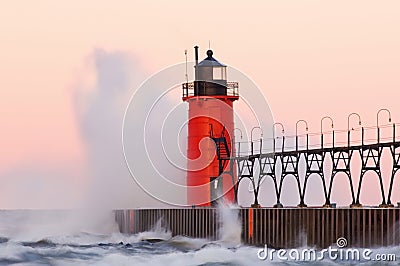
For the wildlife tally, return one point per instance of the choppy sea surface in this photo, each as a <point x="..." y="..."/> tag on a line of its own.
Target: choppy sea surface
<point x="92" y="238"/>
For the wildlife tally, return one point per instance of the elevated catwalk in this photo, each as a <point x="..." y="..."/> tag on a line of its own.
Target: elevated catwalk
<point x="276" y="227"/>
<point x="307" y="161"/>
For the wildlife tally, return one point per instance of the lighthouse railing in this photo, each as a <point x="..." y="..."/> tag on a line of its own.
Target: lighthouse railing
<point x="188" y="88"/>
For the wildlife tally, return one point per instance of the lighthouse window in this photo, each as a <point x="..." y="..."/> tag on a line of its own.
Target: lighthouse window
<point x="218" y="73"/>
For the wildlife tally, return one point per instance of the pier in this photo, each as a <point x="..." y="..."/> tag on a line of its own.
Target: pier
<point x="276" y="227"/>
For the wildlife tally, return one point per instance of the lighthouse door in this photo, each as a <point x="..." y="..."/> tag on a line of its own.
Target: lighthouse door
<point x="215" y="189"/>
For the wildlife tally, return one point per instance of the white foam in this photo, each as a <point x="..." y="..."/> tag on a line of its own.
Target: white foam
<point x="157" y="232"/>
<point x="230" y="227"/>
<point x="37" y="225"/>
<point x="179" y="250"/>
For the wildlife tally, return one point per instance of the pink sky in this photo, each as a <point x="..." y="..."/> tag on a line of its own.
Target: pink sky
<point x="310" y="58"/>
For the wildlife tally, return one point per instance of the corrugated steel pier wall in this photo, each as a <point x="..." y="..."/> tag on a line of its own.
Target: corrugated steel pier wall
<point x="277" y="227"/>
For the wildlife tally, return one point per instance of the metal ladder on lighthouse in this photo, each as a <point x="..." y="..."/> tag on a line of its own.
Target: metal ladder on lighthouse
<point x="222" y="148"/>
<point x="224" y="157"/>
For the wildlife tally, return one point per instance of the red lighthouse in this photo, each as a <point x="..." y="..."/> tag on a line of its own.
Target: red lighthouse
<point x="210" y="173"/>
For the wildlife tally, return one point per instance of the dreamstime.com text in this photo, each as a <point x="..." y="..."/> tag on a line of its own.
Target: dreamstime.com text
<point x="338" y="253"/>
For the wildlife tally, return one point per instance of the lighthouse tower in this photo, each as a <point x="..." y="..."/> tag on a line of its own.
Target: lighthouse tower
<point x="210" y="173"/>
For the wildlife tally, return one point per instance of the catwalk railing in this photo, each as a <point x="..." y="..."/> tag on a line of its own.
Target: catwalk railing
<point x="280" y="157"/>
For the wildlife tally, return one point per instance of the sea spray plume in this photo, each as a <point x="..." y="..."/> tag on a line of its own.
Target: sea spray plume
<point x="99" y="109"/>
<point x="99" y="121"/>
<point x="102" y="179"/>
<point x="230" y="226"/>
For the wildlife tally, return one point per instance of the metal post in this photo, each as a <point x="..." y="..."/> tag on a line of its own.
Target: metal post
<point x="273" y="146"/>
<point x="379" y="133"/>
<point x="348" y="138"/>
<point x="233" y="138"/>
<point x="362" y="136"/>
<point x="273" y="132"/>
<point x="307" y="141"/>
<point x="322" y="141"/>
<point x="394" y="132"/>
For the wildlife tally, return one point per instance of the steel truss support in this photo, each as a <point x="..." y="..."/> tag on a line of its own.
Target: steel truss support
<point x="341" y="158"/>
<point x="315" y="165"/>
<point x="267" y="165"/>
<point x="395" y="152"/>
<point x="371" y="157"/>
<point x="245" y="168"/>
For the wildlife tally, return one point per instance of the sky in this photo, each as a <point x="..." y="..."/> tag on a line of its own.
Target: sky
<point x="68" y="69"/>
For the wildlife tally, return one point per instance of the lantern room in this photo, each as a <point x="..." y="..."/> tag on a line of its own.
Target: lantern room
<point x="210" y="77"/>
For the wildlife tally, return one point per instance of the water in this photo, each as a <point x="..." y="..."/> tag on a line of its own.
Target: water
<point x="92" y="238"/>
